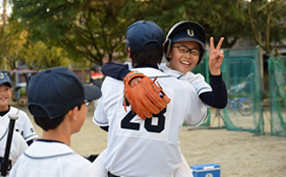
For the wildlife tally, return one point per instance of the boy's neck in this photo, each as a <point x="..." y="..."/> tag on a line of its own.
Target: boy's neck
<point x="62" y="133"/>
<point x="56" y="136"/>
<point x="4" y="108"/>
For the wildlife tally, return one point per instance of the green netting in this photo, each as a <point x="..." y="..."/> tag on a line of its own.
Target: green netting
<point x="277" y="85"/>
<point x="241" y="73"/>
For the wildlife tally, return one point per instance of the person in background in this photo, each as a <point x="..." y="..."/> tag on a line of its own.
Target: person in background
<point x="96" y="78"/>
<point x="23" y="125"/>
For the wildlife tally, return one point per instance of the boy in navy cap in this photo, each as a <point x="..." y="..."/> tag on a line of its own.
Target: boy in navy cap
<point x="148" y="147"/>
<point x="58" y="101"/>
<point x="23" y="124"/>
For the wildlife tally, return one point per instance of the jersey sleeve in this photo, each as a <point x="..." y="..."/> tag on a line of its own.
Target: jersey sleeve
<point x="20" y="143"/>
<point x="199" y="83"/>
<point x="197" y="111"/>
<point x="107" y="100"/>
<point x="115" y="70"/>
<point x="218" y="97"/>
<point x="29" y="132"/>
<point x="100" y="117"/>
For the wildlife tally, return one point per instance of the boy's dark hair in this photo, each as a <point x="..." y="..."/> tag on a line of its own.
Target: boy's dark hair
<point x="7" y="85"/>
<point x="150" y="56"/>
<point x="95" y="68"/>
<point x="48" y="124"/>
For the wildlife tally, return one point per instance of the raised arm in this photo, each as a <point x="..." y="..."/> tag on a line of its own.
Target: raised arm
<point x="115" y="70"/>
<point x="218" y="97"/>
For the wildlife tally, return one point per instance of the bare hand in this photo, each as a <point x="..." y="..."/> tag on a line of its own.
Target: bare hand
<point x="216" y="57"/>
<point x="135" y="81"/>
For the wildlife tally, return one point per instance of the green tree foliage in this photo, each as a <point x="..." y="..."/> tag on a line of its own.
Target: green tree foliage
<point x="10" y="43"/>
<point x="261" y="20"/>
<point x="2" y="45"/>
<point x="223" y="18"/>
<point x="35" y="55"/>
<point x="92" y="29"/>
<point x="86" y="29"/>
<point x="38" y="56"/>
<point x="267" y="19"/>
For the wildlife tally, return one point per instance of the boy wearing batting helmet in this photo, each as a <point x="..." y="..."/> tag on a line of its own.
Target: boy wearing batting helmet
<point x="23" y="124"/>
<point x="184" y="48"/>
<point x="58" y="101"/>
<point x="148" y="147"/>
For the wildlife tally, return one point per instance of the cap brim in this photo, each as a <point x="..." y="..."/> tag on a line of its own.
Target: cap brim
<point x="91" y="92"/>
<point x="190" y="39"/>
<point x="6" y="82"/>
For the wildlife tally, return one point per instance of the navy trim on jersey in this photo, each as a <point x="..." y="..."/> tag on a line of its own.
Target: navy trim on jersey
<point x="4" y="134"/>
<point x="105" y="123"/>
<point x="153" y="77"/>
<point x="180" y="76"/>
<point x="202" y="89"/>
<point x="70" y="153"/>
<point x="49" y="141"/>
<point x="29" y="136"/>
<point x="3" y="113"/>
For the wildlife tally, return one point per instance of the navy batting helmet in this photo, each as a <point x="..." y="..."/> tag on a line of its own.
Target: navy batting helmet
<point x="186" y="31"/>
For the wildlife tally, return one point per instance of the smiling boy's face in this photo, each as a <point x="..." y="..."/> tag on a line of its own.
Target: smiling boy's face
<point x="5" y="95"/>
<point x="183" y="62"/>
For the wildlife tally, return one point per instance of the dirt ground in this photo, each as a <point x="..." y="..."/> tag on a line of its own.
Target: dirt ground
<point x="239" y="154"/>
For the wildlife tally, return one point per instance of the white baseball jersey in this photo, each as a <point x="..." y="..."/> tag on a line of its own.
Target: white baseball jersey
<point x="46" y="159"/>
<point x="18" y="146"/>
<point x="23" y="124"/>
<point x="152" y="143"/>
<point x="197" y="80"/>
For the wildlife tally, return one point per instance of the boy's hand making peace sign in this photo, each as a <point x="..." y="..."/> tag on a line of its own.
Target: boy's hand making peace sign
<point x="215" y="57"/>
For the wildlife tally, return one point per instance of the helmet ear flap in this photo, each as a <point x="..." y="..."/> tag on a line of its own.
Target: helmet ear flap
<point x="167" y="46"/>
<point x="202" y="55"/>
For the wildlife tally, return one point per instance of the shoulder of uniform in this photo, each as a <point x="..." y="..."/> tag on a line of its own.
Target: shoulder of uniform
<point x="14" y="110"/>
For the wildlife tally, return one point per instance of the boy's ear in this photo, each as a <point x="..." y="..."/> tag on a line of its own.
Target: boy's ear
<point x="72" y="112"/>
<point x="169" y="54"/>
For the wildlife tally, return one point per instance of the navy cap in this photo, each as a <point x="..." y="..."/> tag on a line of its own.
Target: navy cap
<point x="56" y="91"/>
<point x="187" y="35"/>
<point x="143" y="35"/>
<point x="4" y="78"/>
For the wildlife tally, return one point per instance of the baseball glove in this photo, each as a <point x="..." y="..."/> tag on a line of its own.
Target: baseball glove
<point x="145" y="98"/>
